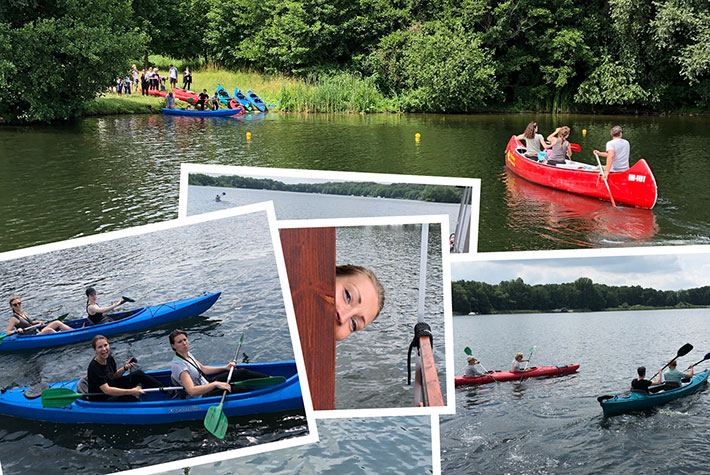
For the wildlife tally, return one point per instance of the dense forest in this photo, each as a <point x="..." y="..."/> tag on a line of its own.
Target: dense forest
<point x="402" y="191"/>
<point x="582" y="294"/>
<point x="429" y="56"/>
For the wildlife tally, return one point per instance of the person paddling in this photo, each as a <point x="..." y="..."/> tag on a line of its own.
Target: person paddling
<point x="98" y="314"/>
<point x="674" y="378"/>
<point x="641" y="384"/>
<point x="192" y="375"/>
<point x="617" y="152"/>
<point x="474" y="368"/>
<point x="518" y="366"/>
<point x="21" y="322"/>
<point x="104" y="377"/>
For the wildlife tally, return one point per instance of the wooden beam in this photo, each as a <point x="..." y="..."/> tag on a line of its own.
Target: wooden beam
<point x="427" y="387"/>
<point x="309" y="254"/>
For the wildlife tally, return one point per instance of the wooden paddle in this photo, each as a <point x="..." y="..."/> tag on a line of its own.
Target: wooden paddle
<point x="3" y="335"/>
<point x="215" y="420"/>
<point x="601" y="171"/>
<point x="527" y="363"/>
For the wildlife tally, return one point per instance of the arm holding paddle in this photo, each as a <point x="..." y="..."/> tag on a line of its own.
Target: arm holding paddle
<point x="114" y="391"/>
<point x="94" y="308"/>
<point x="194" y="390"/>
<point x="609" y="155"/>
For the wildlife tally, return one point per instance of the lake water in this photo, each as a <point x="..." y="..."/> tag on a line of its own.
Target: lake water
<point x="346" y="446"/>
<point x="555" y="425"/>
<point x="101" y="174"/>
<point x="371" y="365"/>
<point x="291" y="205"/>
<point x="151" y="268"/>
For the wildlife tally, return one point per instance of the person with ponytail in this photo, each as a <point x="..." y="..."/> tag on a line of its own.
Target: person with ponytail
<point x="560" y="149"/>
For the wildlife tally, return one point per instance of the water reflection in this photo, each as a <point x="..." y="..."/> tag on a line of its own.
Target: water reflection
<point x="574" y="219"/>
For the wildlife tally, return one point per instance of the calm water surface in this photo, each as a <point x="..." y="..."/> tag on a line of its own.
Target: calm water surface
<point x="151" y="268"/>
<point x="346" y="446"/>
<point x="371" y="365"/>
<point x="291" y="205"/>
<point x="555" y="425"/>
<point x="100" y="174"/>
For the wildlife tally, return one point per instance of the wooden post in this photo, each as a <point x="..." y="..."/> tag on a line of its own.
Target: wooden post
<point x="429" y="391"/>
<point x="309" y="254"/>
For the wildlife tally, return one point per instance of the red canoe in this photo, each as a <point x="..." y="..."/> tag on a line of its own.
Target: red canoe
<point x="510" y="376"/>
<point x="635" y="186"/>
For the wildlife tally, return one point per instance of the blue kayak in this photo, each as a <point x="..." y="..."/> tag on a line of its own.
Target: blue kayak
<point x="239" y="96"/>
<point x="636" y="401"/>
<point x="161" y="408"/>
<point x="256" y="100"/>
<point x="130" y="321"/>
<point x="225" y="98"/>
<point x="204" y="113"/>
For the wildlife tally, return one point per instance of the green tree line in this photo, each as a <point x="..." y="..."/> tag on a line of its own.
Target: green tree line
<point x="582" y="294"/>
<point x="407" y="191"/>
<point x="428" y="56"/>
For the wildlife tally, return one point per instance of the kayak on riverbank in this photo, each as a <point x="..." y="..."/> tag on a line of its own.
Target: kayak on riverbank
<point x="130" y="321"/>
<point x="635" y="186"/>
<point x="637" y="401"/>
<point x="158" y="407"/>
<point x="534" y="372"/>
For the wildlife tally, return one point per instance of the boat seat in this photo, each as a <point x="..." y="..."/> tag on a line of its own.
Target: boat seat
<point x="82" y="386"/>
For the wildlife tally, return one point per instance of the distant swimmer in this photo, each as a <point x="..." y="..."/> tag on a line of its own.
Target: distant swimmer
<point x="218" y="198"/>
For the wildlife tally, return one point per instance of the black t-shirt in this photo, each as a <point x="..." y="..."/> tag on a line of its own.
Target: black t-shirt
<point x="204" y="97"/>
<point x="642" y="385"/>
<point x="99" y="374"/>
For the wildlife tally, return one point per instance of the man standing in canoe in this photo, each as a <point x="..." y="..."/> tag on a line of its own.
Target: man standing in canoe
<point x="617" y="152"/>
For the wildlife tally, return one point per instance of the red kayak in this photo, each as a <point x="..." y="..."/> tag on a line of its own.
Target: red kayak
<point x="635" y="186"/>
<point x="533" y="372"/>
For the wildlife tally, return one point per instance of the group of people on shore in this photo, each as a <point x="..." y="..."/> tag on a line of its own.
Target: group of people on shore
<point x="556" y="150"/>
<point x="151" y="79"/>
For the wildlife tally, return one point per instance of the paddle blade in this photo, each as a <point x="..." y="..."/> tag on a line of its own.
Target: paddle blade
<point x="604" y="398"/>
<point x="127" y="299"/>
<point x="468" y="351"/>
<point x="261" y="382"/>
<point x="62" y="317"/>
<point x="59" y="397"/>
<point x="216" y="422"/>
<point x="575" y="147"/>
<point x="684" y="350"/>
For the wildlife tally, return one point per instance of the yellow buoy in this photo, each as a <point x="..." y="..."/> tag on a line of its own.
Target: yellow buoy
<point x="248" y="135"/>
<point x="584" y="132"/>
<point x="417" y="137"/>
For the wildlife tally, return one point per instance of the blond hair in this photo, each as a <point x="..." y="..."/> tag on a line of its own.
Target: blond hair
<point x="349" y="269"/>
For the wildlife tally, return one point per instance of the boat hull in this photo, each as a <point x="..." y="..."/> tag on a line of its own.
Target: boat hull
<point x="635" y="186"/>
<point x="158" y="408"/>
<point x="239" y="96"/>
<point x="632" y="402"/>
<point x="511" y="376"/>
<point x="256" y="100"/>
<point x="204" y="113"/>
<point x="133" y="320"/>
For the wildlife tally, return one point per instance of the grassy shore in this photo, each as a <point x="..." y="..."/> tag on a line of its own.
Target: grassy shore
<point x="339" y="93"/>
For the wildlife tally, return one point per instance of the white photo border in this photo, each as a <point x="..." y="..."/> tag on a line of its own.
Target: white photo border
<point x="266" y="207"/>
<point x="475" y="183"/>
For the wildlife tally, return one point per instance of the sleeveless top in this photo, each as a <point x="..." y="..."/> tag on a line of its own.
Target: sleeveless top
<point x="96" y="317"/>
<point x="24" y="322"/>
<point x="558" y="153"/>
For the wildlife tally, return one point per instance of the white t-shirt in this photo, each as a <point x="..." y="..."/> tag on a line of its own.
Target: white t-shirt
<point x="173" y="73"/>
<point x="622" y="150"/>
<point x="518" y="365"/>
